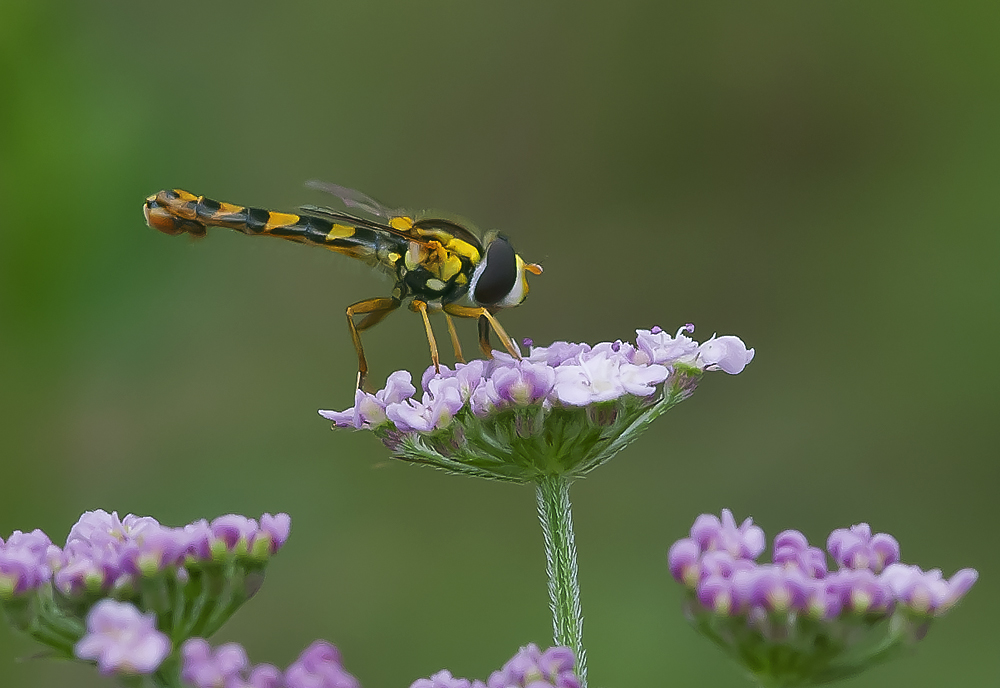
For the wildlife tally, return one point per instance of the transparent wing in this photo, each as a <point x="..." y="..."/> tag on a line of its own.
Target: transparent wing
<point x="421" y="231"/>
<point x="357" y="221"/>
<point x="356" y="199"/>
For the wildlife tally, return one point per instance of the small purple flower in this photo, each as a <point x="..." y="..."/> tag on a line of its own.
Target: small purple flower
<point x="21" y="572"/>
<point x="683" y="560"/>
<point x="482" y="402"/>
<point x="532" y="668"/>
<point x="26" y="562"/>
<point x="859" y="590"/>
<point x="660" y="347"/>
<point x="101" y="529"/>
<point x="711" y="533"/>
<point x="398" y="386"/>
<point x="228" y="666"/>
<point x="770" y="587"/>
<point x="36" y="542"/>
<point x="367" y="412"/>
<point x="857" y="548"/>
<point x="641" y="380"/>
<point x="591" y="381"/>
<point x="557" y="353"/>
<point x="233" y="532"/>
<point x="199" y="538"/>
<point x="792" y="549"/>
<point x="726" y="353"/>
<point x="204" y="667"/>
<point x="716" y="593"/>
<point x="620" y="351"/>
<point x="94" y="572"/>
<point x="721" y="563"/>
<point x="273" y="532"/>
<point x="369" y="409"/>
<point x="319" y="666"/>
<point x="263" y="676"/>
<point x="523" y="384"/>
<point x="444" y="679"/>
<point x="160" y="548"/>
<point x="433" y="413"/>
<point x="927" y="592"/>
<point x="822" y="600"/>
<point x="122" y="640"/>
<point x="466" y="378"/>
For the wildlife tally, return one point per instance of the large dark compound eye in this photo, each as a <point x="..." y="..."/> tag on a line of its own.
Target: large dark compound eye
<point x="498" y="275"/>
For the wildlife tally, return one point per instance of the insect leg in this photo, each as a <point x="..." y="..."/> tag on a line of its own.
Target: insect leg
<point x="454" y="339"/>
<point x="421" y="307"/>
<point x="374" y="311"/>
<point x="484" y="339"/>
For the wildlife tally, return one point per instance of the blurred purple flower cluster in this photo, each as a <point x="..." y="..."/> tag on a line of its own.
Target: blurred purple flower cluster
<point x="529" y="668"/>
<point x="228" y="666"/>
<point x="800" y="602"/>
<point x="718" y="561"/>
<point x="177" y="583"/>
<point x="105" y="554"/>
<point x="562" y="374"/>
<point x="562" y="410"/>
<point x="320" y="666"/>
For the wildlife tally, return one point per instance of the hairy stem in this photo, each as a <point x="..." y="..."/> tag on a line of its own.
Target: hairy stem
<point x="556" y="517"/>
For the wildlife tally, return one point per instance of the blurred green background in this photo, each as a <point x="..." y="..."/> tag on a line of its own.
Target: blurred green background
<point x="818" y="178"/>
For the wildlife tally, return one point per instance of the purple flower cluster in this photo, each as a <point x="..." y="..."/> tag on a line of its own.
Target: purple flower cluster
<point x="122" y="639"/>
<point x="563" y="374"/>
<point x="190" y="579"/>
<point x="529" y="668"/>
<point x="718" y="561"/>
<point x="798" y="599"/>
<point x="564" y="409"/>
<point x="26" y="562"/>
<point x="104" y="553"/>
<point x="320" y="666"/>
<point x="228" y="666"/>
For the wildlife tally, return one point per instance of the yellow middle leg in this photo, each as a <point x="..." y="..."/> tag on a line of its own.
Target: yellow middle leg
<point x="421" y="307"/>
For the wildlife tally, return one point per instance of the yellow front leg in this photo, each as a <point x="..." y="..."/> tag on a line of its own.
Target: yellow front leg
<point x="484" y="342"/>
<point x="454" y="339"/>
<point x="421" y="307"/>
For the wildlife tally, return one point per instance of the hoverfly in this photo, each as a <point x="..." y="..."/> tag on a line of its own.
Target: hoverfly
<point x="435" y="262"/>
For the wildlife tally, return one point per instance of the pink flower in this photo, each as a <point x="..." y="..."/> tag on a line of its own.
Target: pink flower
<point x="122" y="640"/>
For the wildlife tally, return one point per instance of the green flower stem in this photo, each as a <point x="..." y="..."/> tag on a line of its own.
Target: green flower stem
<point x="556" y="517"/>
<point x="169" y="673"/>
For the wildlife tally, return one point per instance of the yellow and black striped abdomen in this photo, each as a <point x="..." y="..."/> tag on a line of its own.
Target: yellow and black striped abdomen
<point x="176" y="211"/>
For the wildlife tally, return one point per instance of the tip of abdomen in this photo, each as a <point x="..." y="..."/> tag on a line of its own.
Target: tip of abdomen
<point x="159" y="217"/>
